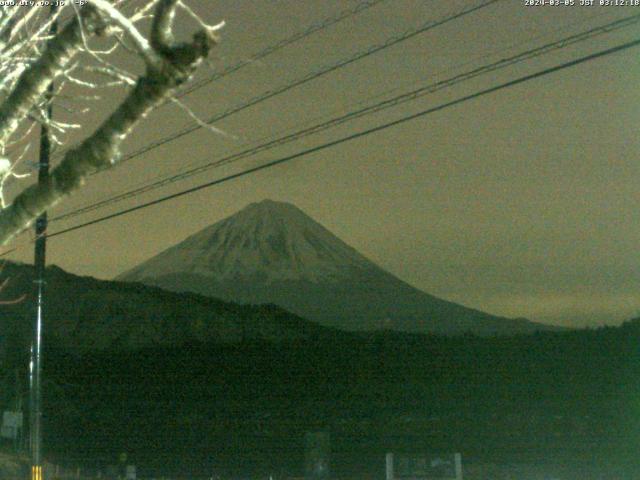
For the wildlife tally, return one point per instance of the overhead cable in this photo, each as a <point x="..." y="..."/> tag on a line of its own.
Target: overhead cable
<point x="378" y="106"/>
<point x="354" y="136"/>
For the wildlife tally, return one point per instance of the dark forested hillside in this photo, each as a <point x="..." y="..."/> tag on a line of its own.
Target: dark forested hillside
<point x="83" y="314"/>
<point x="567" y="397"/>
<point x="187" y="383"/>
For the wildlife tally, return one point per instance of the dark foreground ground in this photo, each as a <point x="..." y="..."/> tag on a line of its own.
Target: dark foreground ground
<point x="560" y="405"/>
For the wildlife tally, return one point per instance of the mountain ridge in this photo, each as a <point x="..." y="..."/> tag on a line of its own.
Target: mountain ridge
<point x="87" y="314"/>
<point x="272" y="252"/>
<point x="208" y="252"/>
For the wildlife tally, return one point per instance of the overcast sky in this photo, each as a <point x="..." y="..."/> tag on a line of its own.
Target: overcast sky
<point x="520" y="203"/>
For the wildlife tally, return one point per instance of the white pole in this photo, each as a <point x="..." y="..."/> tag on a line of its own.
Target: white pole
<point x="458" y="466"/>
<point x="389" y="459"/>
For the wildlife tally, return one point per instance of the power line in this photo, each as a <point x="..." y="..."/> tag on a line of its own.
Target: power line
<point x="271" y="139"/>
<point x="392" y="102"/>
<point x="283" y="43"/>
<point x="296" y="37"/>
<point x="360" y="134"/>
<point x="310" y="77"/>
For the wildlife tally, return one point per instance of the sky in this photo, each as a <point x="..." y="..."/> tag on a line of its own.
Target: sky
<point x="521" y="203"/>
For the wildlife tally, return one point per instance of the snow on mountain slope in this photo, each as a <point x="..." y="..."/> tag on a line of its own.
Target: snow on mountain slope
<point x="272" y="240"/>
<point x="272" y="252"/>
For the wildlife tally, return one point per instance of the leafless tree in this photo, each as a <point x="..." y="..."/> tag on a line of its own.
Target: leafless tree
<point x="78" y="55"/>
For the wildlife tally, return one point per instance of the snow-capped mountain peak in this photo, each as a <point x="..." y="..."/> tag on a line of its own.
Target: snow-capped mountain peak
<point x="269" y="240"/>
<point x="272" y="252"/>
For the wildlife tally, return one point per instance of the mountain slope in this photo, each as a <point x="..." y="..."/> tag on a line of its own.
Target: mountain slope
<point x="85" y="314"/>
<point x="272" y="252"/>
<point x="270" y="241"/>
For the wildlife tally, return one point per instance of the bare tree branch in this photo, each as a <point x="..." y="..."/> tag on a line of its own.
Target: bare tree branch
<point x="35" y="80"/>
<point x="140" y="43"/>
<point x="176" y="64"/>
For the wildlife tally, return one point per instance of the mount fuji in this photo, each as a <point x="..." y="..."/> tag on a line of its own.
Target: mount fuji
<point x="272" y="252"/>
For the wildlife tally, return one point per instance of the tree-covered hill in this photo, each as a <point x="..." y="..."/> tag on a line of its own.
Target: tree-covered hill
<point x="563" y="397"/>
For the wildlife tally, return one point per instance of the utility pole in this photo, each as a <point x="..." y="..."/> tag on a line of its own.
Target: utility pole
<point x="35" y="414"/>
